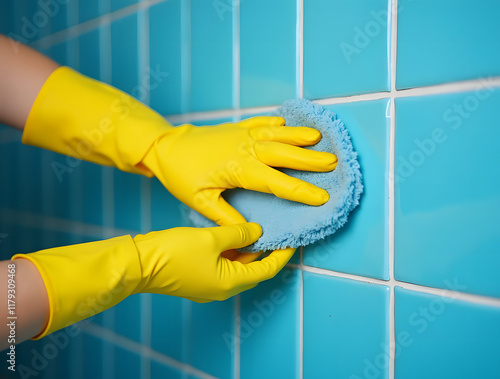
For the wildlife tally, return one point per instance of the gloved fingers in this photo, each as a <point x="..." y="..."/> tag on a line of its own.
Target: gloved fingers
<point x="244" y="288"/>
<point x="267" y="179"/>
<point x="264" y="269"/>
<point x="262" y="121"/>
<point x="296" y="136"/>
<point x="235" y="255"/>
<point x="277" y="154"/>
<point x="213" y="206"/>
<point x="236" y="236"/>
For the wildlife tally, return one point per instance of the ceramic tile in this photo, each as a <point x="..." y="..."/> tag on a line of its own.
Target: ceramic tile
<point x="457" y="41"/>
<point x="267" y="64"/>
<point x="211" y="58"/>
<point x="166" y="210"/>
<point x="341" y="338"/>
<point x="168" y="321"/>
<point x="117" y="4"/>
<point x="159" y="371"/>
<point x="89" y="9"/>
<point x="89" y="54"/>
<point x="124" y="54"/>
<point x="346" y="47"/>
<point x="127" y="364"/>
<point x="269" y="322"/>
<point x="206" y="346"/>
<point x="361" y="246"/>
<point x="128" y="318"/>
<point x="127" y="200"/>
<point x="447" y="203"/>
<point x="93" y="356"/>
<point x="455" y="339"/>
<point x="165" y="57"/>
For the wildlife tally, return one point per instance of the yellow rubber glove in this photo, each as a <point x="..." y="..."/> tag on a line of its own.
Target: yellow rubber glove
<point x="90" y="120"/>
<point x="85" y="279"/>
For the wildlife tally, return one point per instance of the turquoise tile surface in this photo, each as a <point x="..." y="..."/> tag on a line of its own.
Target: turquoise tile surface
<point x="447" y="202"/>
<point x="267" y="52"/>
<point x="458" y="40"/>
<point x="89" y="9"/>
<point x="127" y="200"/>
<point x="124" y="54"/>
<point x="206" y="347"/>
<point x="341" y="338"/>
<point x="211" y="58"/>
<point x="166" y="211"/>
<point x="168" y="322"/>
<point x="127" y="364"/>
<point x="346" y="47"/>
<point x="93" y="355"/>
<point x="455" y="339"/>
<point x="92" y="204"/>
<point x="127" y="320"/>
<point x="165" y="57"/>
<point x="269" y="328"/>
<point x="117" y="4"/>
<point x="361" y="246"/>
<point x="89" y="54"/>
<point x="159" y="371"/>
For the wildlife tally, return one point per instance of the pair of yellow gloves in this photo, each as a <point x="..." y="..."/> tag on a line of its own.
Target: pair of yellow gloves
<point x="84" y="118"/>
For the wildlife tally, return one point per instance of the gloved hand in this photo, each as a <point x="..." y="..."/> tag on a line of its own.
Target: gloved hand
<point x="197" y="164"/>
<point x="85" y="279"/>
<point x="90" y="120"/>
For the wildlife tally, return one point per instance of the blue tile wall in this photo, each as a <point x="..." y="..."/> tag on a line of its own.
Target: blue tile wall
<point x="211" y="58"/>
<point x="368" y="125"/>
<point x="159" y="371"/>
<point x="207" y="346"/>
<point x="456" y="206"/>
<point x="342" y="338"/>
<point x="457" y="41"/>
<point x="168" y="323"/>
<point x="454" y="338"/>
<point x="127" y="364"/>
<point x="327" y="315"/>
<point x="89" y="54"/>
<point x="127" y="200"/>
<point x="165" y="57"/>
<point x="89" y="9"/>
<point x="268" y="65"/>
<point x="127" y="318"/>
<point x="346" y="47"/>
<point x="269" y="320"/>
<point x="124" y="54"/>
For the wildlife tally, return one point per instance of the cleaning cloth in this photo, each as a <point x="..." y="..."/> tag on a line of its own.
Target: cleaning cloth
<point x="290" y="224"/>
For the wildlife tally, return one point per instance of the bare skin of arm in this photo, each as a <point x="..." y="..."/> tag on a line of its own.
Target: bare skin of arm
<point x="31" y="301"/>
<point x="23" y="71"/>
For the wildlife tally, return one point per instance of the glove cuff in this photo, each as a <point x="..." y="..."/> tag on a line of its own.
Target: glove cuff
<point x="85" y="279"/>
<point x="90" y="120"/>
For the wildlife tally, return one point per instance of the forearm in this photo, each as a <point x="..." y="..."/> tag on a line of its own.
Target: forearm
<point x="22" y="74"/>
<point x="29" y="304"/>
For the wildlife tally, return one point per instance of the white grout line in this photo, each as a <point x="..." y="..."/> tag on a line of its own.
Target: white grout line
<point x="237" y="332"/>
<point x="87" y="26"/>
<point x="393" y="12"/>
<point x="467" y="297"/>
<point x="236" y="54"/>
<point x="300" y="49"/>
<point x="301" y="322"/>
<point x="338" y="274"/>
<point x="34" y="220"/>
<point x="185" y="55"/>
<point x="462" y="86"/>
<point x="137" y="348"/>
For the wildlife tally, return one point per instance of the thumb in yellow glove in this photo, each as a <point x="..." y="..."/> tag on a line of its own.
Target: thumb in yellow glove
<point x="82" y="280"/>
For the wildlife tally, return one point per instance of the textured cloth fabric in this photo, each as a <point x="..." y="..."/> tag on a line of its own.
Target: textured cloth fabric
<point x="289" y="224"/>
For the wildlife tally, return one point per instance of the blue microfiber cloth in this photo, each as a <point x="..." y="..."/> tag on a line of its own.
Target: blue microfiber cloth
<point x="290" y="224"/>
